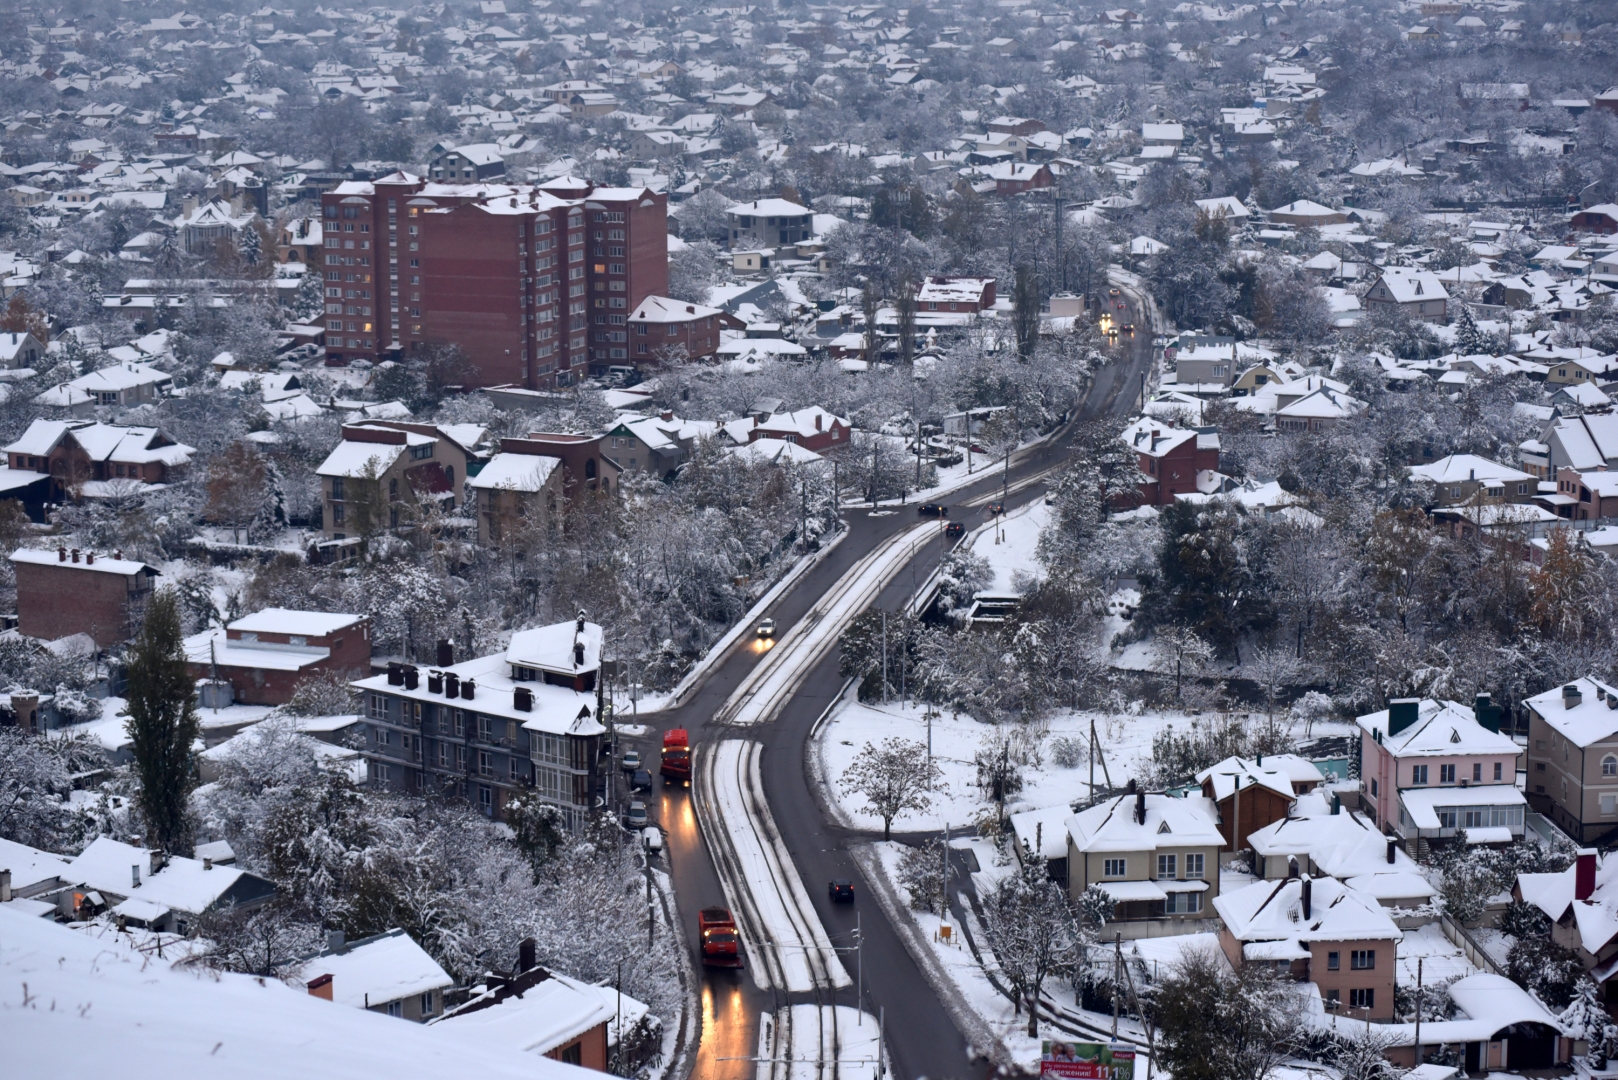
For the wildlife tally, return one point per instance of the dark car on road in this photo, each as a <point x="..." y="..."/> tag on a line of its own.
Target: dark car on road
<point x="933" y="510"/>
<point x="996" y="508"/>
<point x="640" y="780"/>
<point x="841" y="890"/>
<point x="954" y="530"/>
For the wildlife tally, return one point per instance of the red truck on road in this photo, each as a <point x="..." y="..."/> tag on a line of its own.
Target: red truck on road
<point x="676" y="767"/>
<point x="721" y="947"/>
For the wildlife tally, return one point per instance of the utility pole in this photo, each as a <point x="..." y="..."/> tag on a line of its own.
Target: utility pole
<point x="1117" y="977"/>
<point x="1418" y="1010"/>
<point x="803" y="518"/>
<point x="859" y="970"/>
<point x="884" y="657"/>
<point x="651" y="921"/>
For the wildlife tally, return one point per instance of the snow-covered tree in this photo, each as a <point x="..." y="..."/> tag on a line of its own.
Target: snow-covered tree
<point x="894" y="777"/>
<point x="1034" y="932"/>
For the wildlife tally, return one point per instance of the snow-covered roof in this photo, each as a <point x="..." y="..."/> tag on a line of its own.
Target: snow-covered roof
<point x="181" y="885"/>
<point x="30" y="866"/>
<point x="1045" y="824"/>
<point x="1306" y="208"/>
<point x="1179" y="823"/>
<point x="1224" y="775"/>
<point x="377" y="970"/>
<point x="360" y="459"/>
<point x="152" y="1019"/>
<point x="775" y="451"/>
<point x="1155" y="438"/>
<point x="1587" y="719"/>
<point x="303" y="623"/>
<point x="102" y="564"/>
<point x="1422" y="803"/>
<point x="1489" y="1004"/>
<point x="214" y="647"/>
<point x="1273" y="911"/>
<point x="516" y="472"/>
<point x="550" y="1014"/>
<point x="1441" y="729"/>
<point x="660" y="309"/>
<point x="768" y="208"/>
<point x="1412" y="286"/>
<point x="1458" y="467"/>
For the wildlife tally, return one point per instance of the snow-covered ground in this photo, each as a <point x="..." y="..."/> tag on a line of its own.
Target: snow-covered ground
<point x="1126" y="741"/>
<point x="1009" y="545"/>
<point x="1441" y="959"/>
<point x="808" y="1038"/>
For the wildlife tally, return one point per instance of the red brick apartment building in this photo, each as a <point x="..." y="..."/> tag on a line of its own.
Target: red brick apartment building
<point x="266" y="654"/>
<point x="60" y="593"/>
<point x="1170" y="459"/>
<point x="535" y="284"/>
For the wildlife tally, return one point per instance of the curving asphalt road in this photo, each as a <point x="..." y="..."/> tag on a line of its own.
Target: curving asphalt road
<point x="921" y="1039"/>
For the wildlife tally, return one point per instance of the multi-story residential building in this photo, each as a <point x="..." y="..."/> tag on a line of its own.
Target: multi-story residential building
<point x="526" y="719"/>
<point x="264" y="655"/>
<point x="1170" y="458"/>
<point x="381" y="468"/>
<point x="1437" y="771"/>
<point x="533" y="284"/>
<point x="1573" y="758"/>
<point x="1157" y="856"/>
<point x="473" y="162"/>
<point x="518" y="494"/>
<point x="1316" y="930"/>
<point x="64" y="592"/>
<point x="769" y="223"/>
<point x="1462" y="479"/>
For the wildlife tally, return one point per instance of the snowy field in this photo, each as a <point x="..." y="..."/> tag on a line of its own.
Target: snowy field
<point x="1126" y="741"/>
<point x="1009" y="545"/>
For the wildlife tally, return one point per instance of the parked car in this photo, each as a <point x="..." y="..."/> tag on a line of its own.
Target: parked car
<point x="766" y="628"/>
<point x="933" y="510"/>
<point x="635" y="815"/>
<point x="841" y="890"/>
<point x="640" y="780"/>
<point x="954" y="530"/>
<point x="652" y="837"/>
<point x="631" y="761"/>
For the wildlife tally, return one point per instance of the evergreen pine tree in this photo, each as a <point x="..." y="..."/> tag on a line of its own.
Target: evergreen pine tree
<point x="162" y="721"/>
<point x="1469" y="340"/>
<point x="249" y="245"/>
<point x="272" y="513"/>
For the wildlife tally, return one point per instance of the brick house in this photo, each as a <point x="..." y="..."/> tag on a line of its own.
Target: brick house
<point x="1436" y="771"/>
<point x="813" y="429"/>
<point x="386" y="973"/>
<point x="586" y="465"/>
<point x="525" y="719"/>
<point x="1170" y="458"/>
<point x="1156" y="855"/>
<point x="264" y="655"/>
<point x="380" y="469"/>
<point x="1584" y="496"/>
<point x="1316" y="930"/>
<point x="1597" y="219"/>
<point x="82" y="455"/>
<point x="66" y="592"/>
<point x="1573" y="758"/>
<point x="1016" y="177"/>
<point x="663" y="329"/>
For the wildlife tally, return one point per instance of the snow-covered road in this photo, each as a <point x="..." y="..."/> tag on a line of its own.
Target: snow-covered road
<point x="819" y="1042"/>
<point x="787" y="947"/>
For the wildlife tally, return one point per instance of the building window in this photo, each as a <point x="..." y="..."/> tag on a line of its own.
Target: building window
<point x="427" y="1003"/>
<point x="1167" y="869"/>
<point x="1193" y="866"/>
<point x="1477" y="772"/>
<point x="1446" y="774"/>
<point x="1609" y="766"/>
<point x="1362" y="959"/>
<point x="1183" y="903"/>
<point x="1334" y="961"/>
<point x="1114" y="867"/>
<point x="376" y="706"/>
<point x="1373" y="785"/>
<point x="485" y="798"/>
<point x="1418" y="774"/>
<point x="1609" y="805"/>
<point x="1362" y="999"/>
<point x="485" y="763"/>
<point x="1497" y="769"/>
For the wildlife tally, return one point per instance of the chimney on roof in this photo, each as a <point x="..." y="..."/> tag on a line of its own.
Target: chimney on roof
<point x="578" y="654"/>
<point x="817" y="421"/>
<point x="75" y="554"/>
<point x="1572" y="697"/>
<point x="334" y="941"/>
<point x="1140" y="807"/>
<point x="446" y="653"/>
<point x="1402" y="712"/>
<point x="578" y="625"/>
<point x="89" y="558"/>
<point x="61" y="554"/>
<point x="5" y="886"/>
<point x="667" y="415"/>
<point x="134" y="875"/>
<point x="207" y="862"/>
<point x="320" y="987"/>
<point x="1308" y="897"/>
<point x="1393" y="846"/>
<point x="526" y="958"/>
<point x="1584" y="874"/>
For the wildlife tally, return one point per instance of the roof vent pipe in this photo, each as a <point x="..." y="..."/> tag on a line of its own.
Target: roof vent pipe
<point x="1308" y="897"/>
<point x="1393" y="846"/>
<point x="1140" y="807"/>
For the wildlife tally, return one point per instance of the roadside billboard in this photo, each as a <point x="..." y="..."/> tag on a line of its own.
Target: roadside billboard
<point x="1087" y="1061"/>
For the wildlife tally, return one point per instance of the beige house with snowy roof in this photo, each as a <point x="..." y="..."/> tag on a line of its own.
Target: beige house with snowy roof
<point x="1573" y="758"/>
<point x="1156" y="856"/>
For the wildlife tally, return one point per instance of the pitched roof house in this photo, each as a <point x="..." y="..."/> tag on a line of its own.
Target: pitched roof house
<point x="1155" y="855"/>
